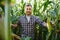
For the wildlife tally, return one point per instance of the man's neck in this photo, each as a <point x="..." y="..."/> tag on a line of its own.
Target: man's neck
<point x="28" y="15"/>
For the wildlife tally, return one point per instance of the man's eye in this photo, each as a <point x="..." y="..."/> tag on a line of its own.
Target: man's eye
<point x="29" y="8"/>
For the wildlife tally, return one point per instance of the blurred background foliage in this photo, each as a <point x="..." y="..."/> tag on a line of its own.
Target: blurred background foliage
<point x="47" y="10"/>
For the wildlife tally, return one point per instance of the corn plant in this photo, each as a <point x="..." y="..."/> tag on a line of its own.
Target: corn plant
<point x="52" y="13"/>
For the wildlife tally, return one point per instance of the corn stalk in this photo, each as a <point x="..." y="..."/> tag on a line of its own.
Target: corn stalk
<point x="6" y="21"/>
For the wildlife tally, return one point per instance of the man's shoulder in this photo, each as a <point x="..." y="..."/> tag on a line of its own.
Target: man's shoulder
<point x="33" y="16"/>
<point x="21" y="16"/>
<point x="36" y="16"/>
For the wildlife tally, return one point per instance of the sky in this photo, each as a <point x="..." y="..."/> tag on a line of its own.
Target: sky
<point x="26" y="1"/>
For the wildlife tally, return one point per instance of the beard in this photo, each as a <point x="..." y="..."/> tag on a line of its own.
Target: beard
<point x="28" y="13"/>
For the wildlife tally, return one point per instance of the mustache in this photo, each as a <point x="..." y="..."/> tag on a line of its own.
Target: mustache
<point x="28" y="11"/>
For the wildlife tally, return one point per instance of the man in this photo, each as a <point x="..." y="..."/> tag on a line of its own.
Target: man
<point x="28" y="23"/>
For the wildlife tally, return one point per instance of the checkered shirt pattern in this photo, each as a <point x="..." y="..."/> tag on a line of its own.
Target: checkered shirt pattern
<point x="28" y="28"/>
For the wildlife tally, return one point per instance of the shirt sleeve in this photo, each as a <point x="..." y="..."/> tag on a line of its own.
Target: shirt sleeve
<point x="40" y="22"/>
<point x="18" y="22"/>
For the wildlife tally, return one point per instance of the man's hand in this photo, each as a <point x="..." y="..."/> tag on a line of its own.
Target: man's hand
<point x="16" y="36"/>
<point x="14" y="25"/>
<point x="52" y="22"/>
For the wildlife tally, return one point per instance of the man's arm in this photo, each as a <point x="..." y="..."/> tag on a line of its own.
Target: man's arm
<point x="16" y="25"/>
<point x="16" y="36"/>
<point x="40" y="22"/>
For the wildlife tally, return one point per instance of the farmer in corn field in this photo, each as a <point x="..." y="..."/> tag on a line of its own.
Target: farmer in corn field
<point x="28" y="23"/>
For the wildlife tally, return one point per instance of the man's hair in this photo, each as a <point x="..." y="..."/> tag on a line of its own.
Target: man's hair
<point x="28" y="4"/>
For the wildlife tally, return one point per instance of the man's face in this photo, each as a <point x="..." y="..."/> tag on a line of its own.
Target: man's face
<point x="28" y="10"/>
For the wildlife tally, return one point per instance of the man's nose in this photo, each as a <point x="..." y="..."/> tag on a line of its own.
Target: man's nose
<point x="28" y="10"/>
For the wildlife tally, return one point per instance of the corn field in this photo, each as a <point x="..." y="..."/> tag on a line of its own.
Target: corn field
<point x="47" y="10"/>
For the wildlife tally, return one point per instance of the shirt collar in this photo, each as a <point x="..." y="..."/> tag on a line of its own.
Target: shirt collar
<point x="30" y="16"/>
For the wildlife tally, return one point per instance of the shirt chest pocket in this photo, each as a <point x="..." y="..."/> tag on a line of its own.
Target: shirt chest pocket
<point x="32" y="23"/>
<point x="23" y="23"/>
<point x="26" y="23"/>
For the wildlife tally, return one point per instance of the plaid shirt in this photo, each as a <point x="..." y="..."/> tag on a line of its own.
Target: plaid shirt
<point x="28" y="28"/>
